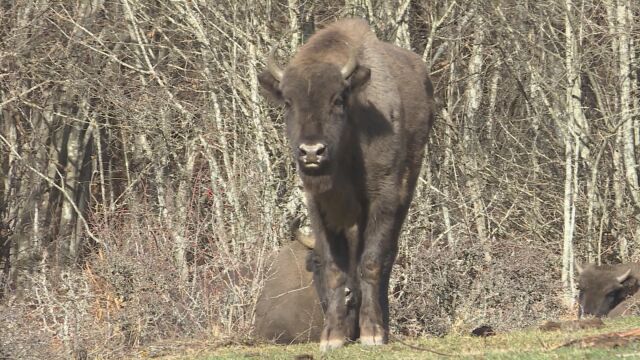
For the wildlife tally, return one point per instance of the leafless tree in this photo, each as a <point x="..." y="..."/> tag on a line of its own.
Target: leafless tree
<point x="142" y="171"/>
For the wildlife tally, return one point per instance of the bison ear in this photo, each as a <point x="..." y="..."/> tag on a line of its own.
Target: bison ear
<point x="359" y="77"/>
<point x="309" y="262"/>
<point x="312" y="262"/>
<point x="271" y="87"/>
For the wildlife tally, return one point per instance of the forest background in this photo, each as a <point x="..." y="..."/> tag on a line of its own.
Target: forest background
<point x="145" y="182"/>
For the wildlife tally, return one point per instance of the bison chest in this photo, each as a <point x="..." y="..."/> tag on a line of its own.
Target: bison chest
<point x="340" y="208"/>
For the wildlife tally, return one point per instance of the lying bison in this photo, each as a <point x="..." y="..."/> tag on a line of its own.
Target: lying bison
<point x="630" y="306"/>
<point x="358" y="112"/>
<point x="288" y="310"/>
<point x="603" y="288"/>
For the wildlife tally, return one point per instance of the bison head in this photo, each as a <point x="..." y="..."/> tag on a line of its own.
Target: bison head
<point x="317" y="97"/>
<point x="601" y="290"/>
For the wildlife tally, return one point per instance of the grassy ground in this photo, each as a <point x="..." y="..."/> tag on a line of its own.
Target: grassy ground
<point x="525" y="344"/>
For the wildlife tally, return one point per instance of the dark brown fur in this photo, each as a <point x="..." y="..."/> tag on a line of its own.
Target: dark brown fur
<point x="375" y="125"/>
<point x="599" y="289"/>
<point x="630" y="306"/>
<point x="483" y="331"/>
<point x="288" y="310"/>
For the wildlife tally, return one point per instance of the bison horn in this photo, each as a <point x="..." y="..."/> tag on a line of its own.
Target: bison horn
<point x="579" y="268"/>
<point x="272" y="66"/>
<point x="348" y="68"/>
<point x="624" y="276"/>
<point x="306" y="240"/>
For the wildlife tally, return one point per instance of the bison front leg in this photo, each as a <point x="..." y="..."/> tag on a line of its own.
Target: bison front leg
<point x="339" y="296"/>
<point x="336" y="282"/>
<point x="339" y="292"/>
<point x="340" y="324"/>
<point x="380" y="248"/>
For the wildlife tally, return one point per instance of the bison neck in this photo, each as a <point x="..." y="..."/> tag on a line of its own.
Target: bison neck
<point x="317" y="184"/>
<point x="340" y="207"/>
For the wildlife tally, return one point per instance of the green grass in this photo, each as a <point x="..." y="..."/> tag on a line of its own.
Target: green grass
<point x="524" y="344"/>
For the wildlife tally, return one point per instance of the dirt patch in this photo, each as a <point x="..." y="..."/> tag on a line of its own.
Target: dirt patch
<point x="609" y="340"/>
<point x="572" y="325"/>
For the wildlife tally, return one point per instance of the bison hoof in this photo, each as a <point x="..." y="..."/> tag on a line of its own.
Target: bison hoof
<point x="373" y="340"/>
<point x="331" y="339"/>
<point x="373" y="335"/>
<point x="326" y="345"/>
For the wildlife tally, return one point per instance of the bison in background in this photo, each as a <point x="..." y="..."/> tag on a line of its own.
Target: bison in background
<point x="631" y="306"/>
<point x="288" y="310"/>
<point x="603" y="288"/>
<point x="358" y="113"/>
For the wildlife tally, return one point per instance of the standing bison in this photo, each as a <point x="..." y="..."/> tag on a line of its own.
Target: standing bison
<point x="288" y="310"/>
<point x="605" y="287"/>
<point x="358" y="112"/>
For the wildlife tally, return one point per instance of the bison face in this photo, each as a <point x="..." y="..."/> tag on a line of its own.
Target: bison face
<point x="602" y="290"/>
<point x="317" y="98"/>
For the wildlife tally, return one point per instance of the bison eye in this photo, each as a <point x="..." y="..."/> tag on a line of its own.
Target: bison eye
<point x="338" y="101"/>
<point x="287" y="103"/>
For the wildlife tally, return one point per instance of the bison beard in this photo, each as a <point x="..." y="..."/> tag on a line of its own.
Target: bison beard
<point x="358" y="115"/>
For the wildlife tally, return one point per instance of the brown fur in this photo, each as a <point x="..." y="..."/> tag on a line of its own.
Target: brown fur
<point x="333" y="43"/>
<point x="600" y="291"/>
<point x="373" y="125"/>
<point x="288" y="310"/>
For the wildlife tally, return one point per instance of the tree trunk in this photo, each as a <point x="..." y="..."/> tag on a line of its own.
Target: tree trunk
<point x="575" y="139"/>
<point x="473" y="154"/>
<point x="624" y="28"/>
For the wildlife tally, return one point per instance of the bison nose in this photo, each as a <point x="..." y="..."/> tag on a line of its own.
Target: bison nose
<point x="311" y="153"/>
<point x="316" y="149"/>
